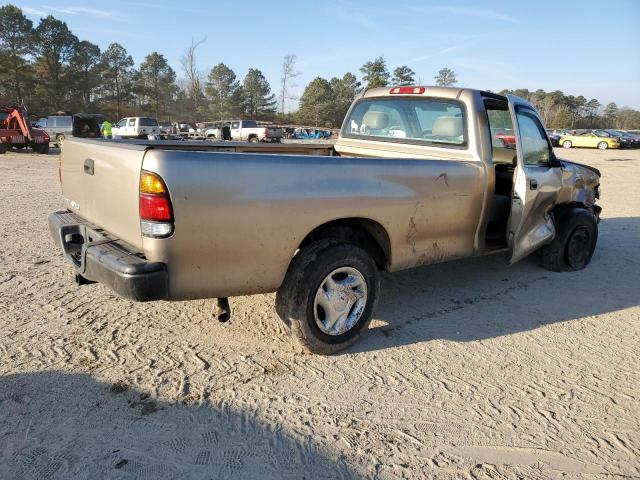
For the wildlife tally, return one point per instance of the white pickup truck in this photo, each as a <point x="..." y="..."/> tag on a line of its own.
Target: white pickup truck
<point x="249" y="131"/>
<point x="136" y="127"/>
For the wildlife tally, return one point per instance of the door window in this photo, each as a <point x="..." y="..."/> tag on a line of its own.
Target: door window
<point x="132" y="122"/>
<point x="121" y="123"/>
<point x="535" y="147"/>
<point x="235" y="125"/>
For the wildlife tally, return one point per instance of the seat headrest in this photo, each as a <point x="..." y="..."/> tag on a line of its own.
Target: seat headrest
<point x="375" y="120"/>
<point x="447" y="127"/>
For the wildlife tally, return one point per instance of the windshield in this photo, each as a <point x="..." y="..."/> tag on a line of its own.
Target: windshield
<point x="422" y="120"/>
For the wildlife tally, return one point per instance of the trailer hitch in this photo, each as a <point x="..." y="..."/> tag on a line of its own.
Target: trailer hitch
<point x="223" y="310"/>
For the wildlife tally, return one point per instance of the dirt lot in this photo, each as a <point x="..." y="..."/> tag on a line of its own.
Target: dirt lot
<point x="473" y="369"/>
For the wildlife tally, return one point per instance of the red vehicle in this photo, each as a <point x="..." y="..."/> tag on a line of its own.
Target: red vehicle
<point x="15" y="132"/>
<point x="509" y="139"/>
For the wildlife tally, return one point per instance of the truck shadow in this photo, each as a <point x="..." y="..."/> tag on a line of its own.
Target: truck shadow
<point x="66" y="425"/>
<point x="53" y="152"/>
<point x="485" y="297"/>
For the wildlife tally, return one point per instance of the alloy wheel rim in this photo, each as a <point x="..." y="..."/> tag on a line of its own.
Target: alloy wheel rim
<point x="340" y="301"/>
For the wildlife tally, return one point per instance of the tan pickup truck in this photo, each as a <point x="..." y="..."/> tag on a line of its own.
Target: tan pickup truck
<point x="419" y="175"/>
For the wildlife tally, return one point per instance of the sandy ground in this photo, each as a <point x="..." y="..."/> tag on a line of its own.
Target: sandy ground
<point x="473" y="369"/>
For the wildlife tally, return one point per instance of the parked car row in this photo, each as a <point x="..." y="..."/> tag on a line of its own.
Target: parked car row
<point x="594" y="138"/>
<point x="59" y="127"/>
<point x="306" y="133"/>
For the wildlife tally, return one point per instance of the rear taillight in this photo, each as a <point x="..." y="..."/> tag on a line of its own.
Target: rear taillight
<point x="266" y="132"/>
<point x="155" y="208"/>
<point x="156" y="213"/>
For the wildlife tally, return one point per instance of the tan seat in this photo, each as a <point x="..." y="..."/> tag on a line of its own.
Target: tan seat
<point x="447" y="127"/>
<point x="375" y="120"/>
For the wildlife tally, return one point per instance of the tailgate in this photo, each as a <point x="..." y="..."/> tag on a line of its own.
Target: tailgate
<point x="274" y="132"/>
<point x="101" y="182"/>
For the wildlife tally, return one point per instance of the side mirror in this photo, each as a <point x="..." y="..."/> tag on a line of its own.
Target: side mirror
<point x="554" y="162"/>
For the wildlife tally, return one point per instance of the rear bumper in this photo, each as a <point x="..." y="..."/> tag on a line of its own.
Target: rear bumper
<point x="98" y="257"/>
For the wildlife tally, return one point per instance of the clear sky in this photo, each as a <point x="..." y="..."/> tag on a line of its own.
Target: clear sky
<point x="582" y="47"/>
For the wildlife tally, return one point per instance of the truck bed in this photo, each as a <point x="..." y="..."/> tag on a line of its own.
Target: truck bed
<point x="306" y="148"/>
<point x="241" y="211"/>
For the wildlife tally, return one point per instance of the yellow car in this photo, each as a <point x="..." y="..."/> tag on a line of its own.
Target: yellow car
<point x="588" y="140"/>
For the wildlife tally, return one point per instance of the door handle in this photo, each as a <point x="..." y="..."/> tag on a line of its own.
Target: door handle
<point x="88" y="166"/>
<point x="533" y="184"/>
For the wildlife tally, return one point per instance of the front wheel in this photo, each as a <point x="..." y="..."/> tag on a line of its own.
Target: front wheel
<point x="574" y="243"/>
<point x="59" y="140"/>
<point x="603" y="145"/>
<point x="567" y="144"/>
<point x="328" y="295"/>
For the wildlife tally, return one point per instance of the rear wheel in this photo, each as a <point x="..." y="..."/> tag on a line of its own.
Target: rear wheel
<point x="574" y="243"/>
<point x="567" y="144"/>
<point x="603" y="145"/>
<point x="253" y="139"/>
<point x="328" y="295"/>
<point x="3" y="148"/>
<point x="59" y="140"/>
<point x="42" y="148"/>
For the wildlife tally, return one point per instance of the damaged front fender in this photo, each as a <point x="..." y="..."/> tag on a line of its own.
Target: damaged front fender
<point x="580" y="185"/>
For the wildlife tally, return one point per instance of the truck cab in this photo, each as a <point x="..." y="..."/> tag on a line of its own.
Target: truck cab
<point x="136" y="127"/>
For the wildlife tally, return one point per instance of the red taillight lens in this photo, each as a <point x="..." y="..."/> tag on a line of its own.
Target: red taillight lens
<point x="407" y="90"/>
<point x="155" y="207"/>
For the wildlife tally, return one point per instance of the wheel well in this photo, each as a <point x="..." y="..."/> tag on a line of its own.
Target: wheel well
<point x="559" y="210"/>
<point x="366" y="233"/>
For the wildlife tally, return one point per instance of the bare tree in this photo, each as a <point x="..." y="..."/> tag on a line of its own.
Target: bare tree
<point x="288" y="73"/>
<point x="194" y="76"/>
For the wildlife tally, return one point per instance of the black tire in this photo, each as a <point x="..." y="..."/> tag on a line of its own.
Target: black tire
<point x="307" y="272"/>
<point x="3" y="148"/>
<point x="254" y="139"/>
<point x="59" y="140"/>
<point x="567" y="144"/>
<point x="574" y="243"/>
<point x="603" y="145"/>
<point x="41" y="148"/>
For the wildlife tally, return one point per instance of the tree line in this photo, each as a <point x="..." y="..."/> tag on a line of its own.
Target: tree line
<point x="47" y="68"/>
